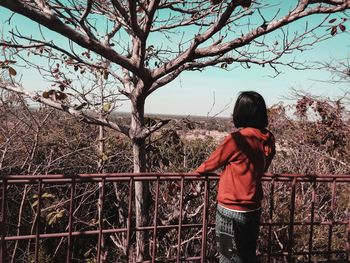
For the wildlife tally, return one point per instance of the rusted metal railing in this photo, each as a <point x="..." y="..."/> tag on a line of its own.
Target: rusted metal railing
<point x="305" y="218"/>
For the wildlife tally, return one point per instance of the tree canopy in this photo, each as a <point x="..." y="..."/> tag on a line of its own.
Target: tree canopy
<point x="140" y="46"/>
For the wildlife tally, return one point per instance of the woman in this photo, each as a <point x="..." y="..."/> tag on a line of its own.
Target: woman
<point x="244" y="155"/>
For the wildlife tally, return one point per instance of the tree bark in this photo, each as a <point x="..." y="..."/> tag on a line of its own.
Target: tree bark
<point x="142" y="193"/>
<point x="100" y="166"/>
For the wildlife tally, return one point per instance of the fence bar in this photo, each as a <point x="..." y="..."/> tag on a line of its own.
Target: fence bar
<point x="96" y="232"/>
<point x="128" y="223"/>
<point x="100" y="225"/>
<point x="154" y="244"/>
<point x="120" y="230"/>
<point x="205" y="221"/>
<point x="163" y="178"/>
<point x="330" y="229"/>
<point x="312" y="212"/>
<point x="180" y="222"/>
<point x="146" y="228"/>
<point x="301" y="223"/>
<point x="37" y="223"/>
<point x="291" y="226"/>
<point x="70" y="222"/>
<point x="3" y="221"/>
<point x="168" y="176"/>
<point x="269" y="245"/>
<point x="348" y="241"/>
<point x="139" y="176"/>
<point x="305" y="253"/>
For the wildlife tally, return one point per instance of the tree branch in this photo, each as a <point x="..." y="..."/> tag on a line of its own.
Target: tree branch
<point x="121" y="10"/>
<point x="296" y="14"/>
<point x="149" y="130"/>
<point x="85" y="116"/>
<point x="151" y="10"/>
<point x="86" y="12"/>
<point x="133" y="19"/>
<point x="55" y="24"/>
<point x="188" y="54"/>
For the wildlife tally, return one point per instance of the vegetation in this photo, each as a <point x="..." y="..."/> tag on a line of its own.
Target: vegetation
<point x="312" y="138"/>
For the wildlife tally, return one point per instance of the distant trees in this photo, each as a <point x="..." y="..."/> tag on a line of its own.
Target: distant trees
<point x="133" y="48"/>
<point x="316" y="129"/>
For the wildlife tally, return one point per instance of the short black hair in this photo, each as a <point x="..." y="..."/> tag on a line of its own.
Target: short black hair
<point x="250" y="111"/>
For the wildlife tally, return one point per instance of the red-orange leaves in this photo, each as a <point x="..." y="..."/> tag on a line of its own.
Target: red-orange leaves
<point x="342" y="27"/>
<point x="215" y="2"/>
<point x="334" y="30"/>
<point x="245" y="3"/>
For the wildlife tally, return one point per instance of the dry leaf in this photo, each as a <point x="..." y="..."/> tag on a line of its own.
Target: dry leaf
<point x="12" y="71"/>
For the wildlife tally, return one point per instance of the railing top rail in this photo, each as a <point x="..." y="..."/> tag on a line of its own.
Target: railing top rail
<point x="148" y="175"/>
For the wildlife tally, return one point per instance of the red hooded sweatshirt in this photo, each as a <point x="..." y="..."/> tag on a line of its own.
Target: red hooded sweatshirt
<point x="245" y="156"/>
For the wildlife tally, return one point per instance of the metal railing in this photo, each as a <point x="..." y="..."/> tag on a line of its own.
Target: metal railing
<point x="306" y="218"/>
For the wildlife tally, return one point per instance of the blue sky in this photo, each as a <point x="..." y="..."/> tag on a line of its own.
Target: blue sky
<point x="193" y="92"/>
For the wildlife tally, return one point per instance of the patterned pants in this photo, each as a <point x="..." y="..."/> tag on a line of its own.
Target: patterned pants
<point x="236" y="235"/>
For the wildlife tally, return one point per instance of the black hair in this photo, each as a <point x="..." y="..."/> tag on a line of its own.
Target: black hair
<point x="250" y="111"/>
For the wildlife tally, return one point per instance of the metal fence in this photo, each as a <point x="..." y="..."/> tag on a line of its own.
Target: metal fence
<point x="306" y="218"/>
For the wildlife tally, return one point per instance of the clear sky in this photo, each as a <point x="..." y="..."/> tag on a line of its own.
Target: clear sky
<point x="194" y="93"/>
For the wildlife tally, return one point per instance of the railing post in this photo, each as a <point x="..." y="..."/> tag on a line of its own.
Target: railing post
<point x="348" y="240"/>
<point x="100" y="225"/>
<point x="180" y="221"/>
<point x="313" y="198"/>
<point x="205" y="220"/>
<point x="272" y="192"/>
<point x="37" y="223"/>
<point x="128" y="223"/>
<point x="291" y="222"/>
<point x="70" y="221"/>
<point x="154" y="245"/>
<point x="330" y="230"/>
<point x="3" y="220"/>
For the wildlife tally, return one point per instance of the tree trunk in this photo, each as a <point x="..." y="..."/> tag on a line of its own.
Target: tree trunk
<point x="100" y="167"/>
<point x="142" y="194"/>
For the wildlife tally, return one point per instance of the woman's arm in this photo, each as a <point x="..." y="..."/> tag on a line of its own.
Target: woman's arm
<point x="220" y="156"/>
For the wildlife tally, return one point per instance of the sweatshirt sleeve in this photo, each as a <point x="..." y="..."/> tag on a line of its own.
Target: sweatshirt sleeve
<point x="220" y="156"/>
<point x="271" y="153"/>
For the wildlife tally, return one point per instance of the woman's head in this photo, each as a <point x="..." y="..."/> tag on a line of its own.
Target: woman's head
<point x="250" y="110"/>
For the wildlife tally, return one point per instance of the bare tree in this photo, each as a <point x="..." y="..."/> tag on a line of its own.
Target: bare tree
<point x="140" y="46"/>
<point x="339" y="70"/>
